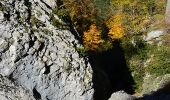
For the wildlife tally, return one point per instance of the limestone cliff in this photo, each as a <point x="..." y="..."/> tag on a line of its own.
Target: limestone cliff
<point x="39" y="57"/>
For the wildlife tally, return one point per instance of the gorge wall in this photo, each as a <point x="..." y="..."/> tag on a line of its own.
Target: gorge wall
<point x="38" y="57"/>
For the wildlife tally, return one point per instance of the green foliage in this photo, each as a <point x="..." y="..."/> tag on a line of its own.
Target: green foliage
<point x="26" y="29"/>
<point x="54" y="21"/>
<point x="2" y="7"/>
<point x="82" y="51"/>
<point x="67" y="68"/>
<point x="67" y="65"/>
<point x="21" y="20"/>
<point x="136" y="16"/>
<point x="46" y="31"/>
<point x="136" y="55"/>
<point x="102" y="8"/>
<point x="145" y="58"/>
<point x="106" y="45"/>
<point x="35" y="21"/>
<point x="160" y="61"/>
<point x="60" y="12"/>
<point x="39" y="13"/>
<point x="166" y="39"/>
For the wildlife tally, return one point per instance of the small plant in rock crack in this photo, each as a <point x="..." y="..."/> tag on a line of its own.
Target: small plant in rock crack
<point x="35" y="21"/>
<point x="82" y="51"/>
<point x="2" y="7"/>
<point x="46" y="31"/>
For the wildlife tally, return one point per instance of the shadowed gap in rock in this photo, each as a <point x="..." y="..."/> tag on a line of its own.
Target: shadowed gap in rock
<point x="36" y="94"/>
<point x="110" y="73"/>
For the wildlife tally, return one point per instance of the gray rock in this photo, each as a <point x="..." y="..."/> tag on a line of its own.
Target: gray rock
<point x="153" y="35"/>
<point x="8" y="91"/>
<point x="46" y="65"/>
<point x="121" y="95"/>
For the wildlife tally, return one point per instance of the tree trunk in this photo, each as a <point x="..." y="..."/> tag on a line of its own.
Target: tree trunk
<point x="167" y="16"/>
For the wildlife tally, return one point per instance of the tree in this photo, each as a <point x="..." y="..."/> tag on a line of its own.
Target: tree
<point x="92" y="38"/>
<point x="115" y="27"/>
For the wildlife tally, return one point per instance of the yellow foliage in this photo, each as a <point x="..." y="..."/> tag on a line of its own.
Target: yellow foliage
<point x="115" y="27"/>
<point x="92" y="38"/>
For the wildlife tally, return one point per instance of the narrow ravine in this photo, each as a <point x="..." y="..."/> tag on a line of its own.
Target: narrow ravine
<point x="111" y="73"/>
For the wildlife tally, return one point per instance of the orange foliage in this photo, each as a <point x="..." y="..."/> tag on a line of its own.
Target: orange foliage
<point x="92" y="38"/>
<point x="115" y="28"/>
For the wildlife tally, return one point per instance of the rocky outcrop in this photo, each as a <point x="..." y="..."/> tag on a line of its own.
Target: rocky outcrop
<point x="121" y="95"/>
<point x="157" y="95"/>
<point x="8" y="91"/>
<point x="154" y="35"/>
<point x="39" y="56"/>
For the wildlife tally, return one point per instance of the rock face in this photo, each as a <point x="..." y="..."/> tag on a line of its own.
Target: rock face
<point x="11" y="92"/>
<point x="40" y="57"/>
<point x="121" y="95"/>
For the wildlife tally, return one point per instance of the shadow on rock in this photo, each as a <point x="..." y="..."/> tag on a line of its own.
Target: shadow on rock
<point x="161" y="94"/>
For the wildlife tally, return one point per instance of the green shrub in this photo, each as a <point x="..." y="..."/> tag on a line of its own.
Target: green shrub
<point x="39" y="13"/>
<point x="46" y="31"/>
<point x="82" y="51"/>
<point x="62" y="13"/>
<point x="54" y="21"/>
<point x="160" y="62"/>
<point x="35" y="21"/>
<point x="166" y="39"/>
<point x="58" y="24"/>
<point x="157" y="58"/>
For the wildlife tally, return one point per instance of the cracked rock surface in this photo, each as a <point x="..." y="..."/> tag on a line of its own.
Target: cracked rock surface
<point x="39" y="58"/>
<point x="8" y="91"/>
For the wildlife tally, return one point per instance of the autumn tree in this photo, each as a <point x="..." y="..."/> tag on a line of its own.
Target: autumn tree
<point x="92" y="38"/>
<point x="115" y="27"/>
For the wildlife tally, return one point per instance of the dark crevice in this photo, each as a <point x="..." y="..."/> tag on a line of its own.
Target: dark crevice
<point x="47" y="68"/>
<point x="18" y="14"/>
<point x="74" y="31"/>
<point x="7" y="15"/>
<point x="42" y="45"/>
<point x="13" y="3"/>
<point x="28" y="4"/>
<point x="110" y="73"/>
<point x="46" y="4"/>
<point x="29" y="16"/>
<point x="32" y="40"/>
<point x="47" y="13"/>
<point x="36" y="94"/>
<point x="17" y="59"/>
<point x="47" y="98"/>
<point x="26" y="54"/>
<point x="6" y="49"/>
<point x="10" y="77"/>
<point x="31" y="43"/>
